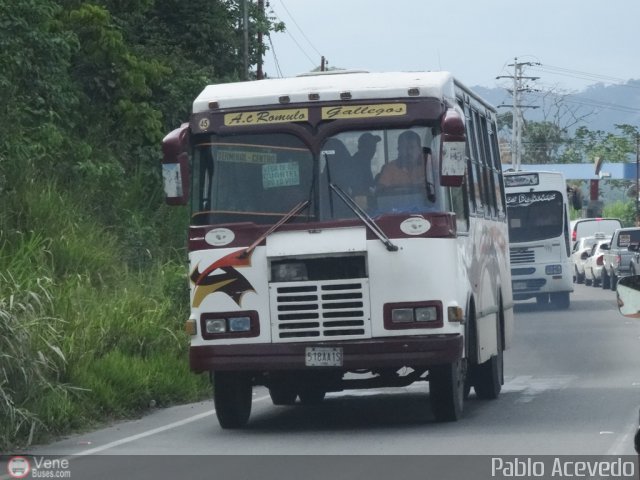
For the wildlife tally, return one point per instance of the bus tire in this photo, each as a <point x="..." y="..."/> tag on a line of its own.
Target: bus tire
<point x="446" y="390"/>
<point x="489" y="374"/>
<point x="232" y="398"/>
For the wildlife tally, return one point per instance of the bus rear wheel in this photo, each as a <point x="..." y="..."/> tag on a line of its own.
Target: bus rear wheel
<point x="232" y="398"/>
<point x="489" y="375"/>
<point x="447" y="389"/>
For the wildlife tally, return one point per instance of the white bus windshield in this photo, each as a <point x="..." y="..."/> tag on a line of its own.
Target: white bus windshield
<point x="534" y="215"/>
<point x="249" y="178"/>
<point x="257" y="178"/>
<point x="383" y="171"/>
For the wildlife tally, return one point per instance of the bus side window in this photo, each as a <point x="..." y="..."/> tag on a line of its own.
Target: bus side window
<point x="476" y="167"/>
<point x="459" y="200"/>
<point x="485" y="164"/>
<point x="498" y="182"/>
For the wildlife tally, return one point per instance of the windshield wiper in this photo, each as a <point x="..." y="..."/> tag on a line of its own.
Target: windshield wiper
<point x="364" y="216"/>
<point x="285" y="218"/>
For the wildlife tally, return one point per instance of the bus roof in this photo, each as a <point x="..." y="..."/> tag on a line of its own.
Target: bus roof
<point x="329" y="86"/>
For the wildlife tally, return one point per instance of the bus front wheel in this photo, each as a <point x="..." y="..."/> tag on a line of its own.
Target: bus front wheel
<point x="446" y="390"/>
<point x="232" y="398"/>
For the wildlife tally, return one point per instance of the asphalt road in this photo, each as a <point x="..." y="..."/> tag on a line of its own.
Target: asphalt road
<point x="572" y="387"/>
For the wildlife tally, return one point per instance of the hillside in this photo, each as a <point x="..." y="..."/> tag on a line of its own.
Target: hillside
<point x="604" y="105"/>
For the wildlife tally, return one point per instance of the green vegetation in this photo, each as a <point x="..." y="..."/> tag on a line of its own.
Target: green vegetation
<point x="93" y="285"/>
<point x="625" y="211"/>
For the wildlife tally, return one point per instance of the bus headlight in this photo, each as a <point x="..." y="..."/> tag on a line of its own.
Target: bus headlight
<point x="239" y="324"/>
<point x="402" y="315"/>
<point x="406" y="315"/>
<point x="426" y="314"/>
<point x="553" y="269"/>
<point x="215" y="325"/>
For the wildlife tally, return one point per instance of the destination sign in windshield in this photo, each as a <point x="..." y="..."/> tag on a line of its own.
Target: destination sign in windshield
<point x="525" y="199"/>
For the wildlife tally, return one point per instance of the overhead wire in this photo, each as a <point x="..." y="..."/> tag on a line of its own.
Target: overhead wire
<point x="288" y="32"/>
<point x="591" y="102"/>
<point x="301" y="31"/>
<point x="275" y="57"/>
<point x="554" y="70"/>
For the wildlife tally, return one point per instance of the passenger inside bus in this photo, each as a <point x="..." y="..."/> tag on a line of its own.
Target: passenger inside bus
<point x="360" y="176"/>
<point x="336" y="157"/>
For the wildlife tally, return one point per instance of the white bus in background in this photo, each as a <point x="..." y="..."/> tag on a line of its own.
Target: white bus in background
<point x="301" y="280"/>
<point x="539" y="238"/>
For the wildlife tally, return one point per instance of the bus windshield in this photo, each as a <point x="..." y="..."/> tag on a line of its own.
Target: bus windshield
<point x="383" y="171"/>
<point x="250" y="178"/>
<point x="534" y="215"/>
<point x="257" y="178"/>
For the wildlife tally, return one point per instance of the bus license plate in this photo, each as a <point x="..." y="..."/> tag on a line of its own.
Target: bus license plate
<point x="323" y="357"/>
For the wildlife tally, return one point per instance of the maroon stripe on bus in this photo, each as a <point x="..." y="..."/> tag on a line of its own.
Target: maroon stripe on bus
<point x="443" y="225"/>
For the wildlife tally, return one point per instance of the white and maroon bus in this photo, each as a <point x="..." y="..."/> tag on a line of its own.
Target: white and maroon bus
<point x="312" y="270"/>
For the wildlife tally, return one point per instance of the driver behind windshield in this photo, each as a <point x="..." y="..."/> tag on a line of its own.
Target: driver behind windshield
<point x="409" y="168"/>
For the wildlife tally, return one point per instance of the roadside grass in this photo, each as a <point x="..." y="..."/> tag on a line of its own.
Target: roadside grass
<point x="86" y="335"/>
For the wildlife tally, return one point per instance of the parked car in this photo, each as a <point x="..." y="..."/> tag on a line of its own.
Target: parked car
<point x="628" y="298"/>
<point x="594" y="263"/>
<point x="617" y="259"/>
<point x="587" y="227"/>
<point x="634" y="260"/>
<point x="583" y="245"/>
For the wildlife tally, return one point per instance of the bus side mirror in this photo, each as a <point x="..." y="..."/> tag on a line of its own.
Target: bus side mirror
<point x="628" y="296"/>
<point x="175" y="166"/>
<point x="452" y="154"/>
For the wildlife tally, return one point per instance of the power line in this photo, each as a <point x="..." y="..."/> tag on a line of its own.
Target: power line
<point x="301" y="31"/>
<point x="592" y="102"/>
<point x="275" y="58"/>
<point x="583" y="75"/>
<point x="294" y="39"/>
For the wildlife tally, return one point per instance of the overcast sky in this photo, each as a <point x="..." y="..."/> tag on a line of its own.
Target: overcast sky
<point x="474" y="39"/>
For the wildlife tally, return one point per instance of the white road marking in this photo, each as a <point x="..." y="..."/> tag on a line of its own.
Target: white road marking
<point x="148" y="433"/>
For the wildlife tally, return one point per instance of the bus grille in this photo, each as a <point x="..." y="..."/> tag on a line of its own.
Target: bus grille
<point x="522" y="255"/>
<point x="325" y="310"/>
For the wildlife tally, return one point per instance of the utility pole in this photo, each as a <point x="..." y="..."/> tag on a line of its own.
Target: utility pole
<point x="259" y="73"/>
<point x="322" y="64"/>
<point x="637" y="179"/>
<point x="245" y="31"/>
<point x="518" y="119"/>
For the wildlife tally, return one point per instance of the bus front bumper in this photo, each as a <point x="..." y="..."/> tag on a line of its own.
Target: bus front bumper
<point x="393" y="352"/>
